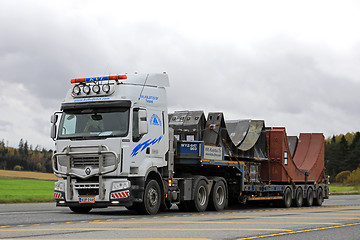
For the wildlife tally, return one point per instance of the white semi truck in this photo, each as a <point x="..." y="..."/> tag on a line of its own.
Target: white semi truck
<point x="116" y="145"/>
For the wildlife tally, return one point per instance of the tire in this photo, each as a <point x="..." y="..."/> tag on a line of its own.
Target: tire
<point x="319" y="198"/>
<point x="309" y="198"/>
<point x="298" y="201"/>
<point x="201" y="200"/>
<point x="217" y="200"/>
<point x="80" y="209"/>
<point x="286" y="202"/>
<point x="152" y="199"/>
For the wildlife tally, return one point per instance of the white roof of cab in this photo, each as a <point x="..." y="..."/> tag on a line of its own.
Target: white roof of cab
<point x="149" y="79"/>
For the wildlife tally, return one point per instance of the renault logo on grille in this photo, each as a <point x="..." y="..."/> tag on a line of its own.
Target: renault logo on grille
<point x="87" y="171"/>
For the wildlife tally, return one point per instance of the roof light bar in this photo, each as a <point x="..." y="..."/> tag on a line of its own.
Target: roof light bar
<point x="94" y="79"/>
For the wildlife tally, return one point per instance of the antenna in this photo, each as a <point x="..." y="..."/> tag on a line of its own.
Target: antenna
<point x="143" y="85"/>
<point x="106" y="69"/>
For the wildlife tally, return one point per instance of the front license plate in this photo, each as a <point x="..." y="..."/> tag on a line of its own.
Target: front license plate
<point x="86" y="199"/>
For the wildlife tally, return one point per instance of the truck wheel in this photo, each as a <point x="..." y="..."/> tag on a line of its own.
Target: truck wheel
<point x="80" y="209"/>
<point x="319" y="198"/>
<point x="201" y="200"/>
<point x="309" y="198"/>
<point x="217" y="200"/>
<point x="286" y="202"/>
<point x="152" y="199"/>
<point x="298" y="201"/>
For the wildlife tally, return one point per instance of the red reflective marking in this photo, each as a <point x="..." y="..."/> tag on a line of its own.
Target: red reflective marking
<point x="58" y="195"/>
<point x="77" y="80"/>
<point x="117" y="77"/>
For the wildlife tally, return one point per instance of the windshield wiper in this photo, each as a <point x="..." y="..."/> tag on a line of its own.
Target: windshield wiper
<point x="84" y="137"/>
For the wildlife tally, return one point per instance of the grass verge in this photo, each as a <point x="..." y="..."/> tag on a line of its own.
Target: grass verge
<point x="26" y="190"/>
<point x="338" y="189"/>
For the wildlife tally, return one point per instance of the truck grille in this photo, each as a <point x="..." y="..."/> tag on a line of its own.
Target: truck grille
<point x="87" y="189"/>
<point x="88" y="192"/>
<point x="80" y="162"/>
<point x="87" y="161"/>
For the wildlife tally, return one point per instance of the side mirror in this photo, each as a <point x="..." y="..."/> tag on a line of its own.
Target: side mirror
<point x="143" y="126"/>
<point x="53" y="131"/>
<point x="54" y="118"/>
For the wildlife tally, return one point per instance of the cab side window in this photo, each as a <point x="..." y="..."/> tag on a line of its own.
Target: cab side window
<point x="136" y="135"/>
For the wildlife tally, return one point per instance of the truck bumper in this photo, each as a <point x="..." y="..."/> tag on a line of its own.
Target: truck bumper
<point x="112" y="197"/>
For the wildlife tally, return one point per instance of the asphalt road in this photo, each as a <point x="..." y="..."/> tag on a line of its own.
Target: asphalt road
<point x="338" y="218"/>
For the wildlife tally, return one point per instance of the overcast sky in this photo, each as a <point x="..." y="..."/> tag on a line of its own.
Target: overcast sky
<point x="292" y="63"/>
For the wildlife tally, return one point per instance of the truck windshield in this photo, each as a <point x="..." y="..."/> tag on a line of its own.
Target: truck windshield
<point x="94" y="123"/>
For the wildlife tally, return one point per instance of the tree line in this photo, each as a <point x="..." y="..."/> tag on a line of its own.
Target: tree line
<point x="342" y="158"/>
<point x="25" y="157"/>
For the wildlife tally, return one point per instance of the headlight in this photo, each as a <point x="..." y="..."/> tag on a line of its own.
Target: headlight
<point x="86" y="89"/>
<point x="76" y="90"/>
<point x="106" y="88"/>
<point x="96" y="88"/>
<point x="59" y="186"/>
<point x="120" y="185"/>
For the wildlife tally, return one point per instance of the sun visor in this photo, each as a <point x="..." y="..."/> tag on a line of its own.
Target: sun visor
<point x="95" y="104"/>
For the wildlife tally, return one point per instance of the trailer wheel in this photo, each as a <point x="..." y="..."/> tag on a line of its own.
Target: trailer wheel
<point x="319" y="198"/>
<point x="80" y="209"/>
<point x="286" y="202"/>
<point x="298" y="201"/>
<point x="152" y="199"/>
<point x="217" y="200"/>
<point x="201" y="200"/>
<point x="309" y="197"/>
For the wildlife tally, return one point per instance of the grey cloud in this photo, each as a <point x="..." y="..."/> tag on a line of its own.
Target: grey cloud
<point x="45" y="47"/>
<point x="4" y="125"/>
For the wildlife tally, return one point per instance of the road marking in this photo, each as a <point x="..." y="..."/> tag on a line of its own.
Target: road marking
<point x="34" y="212"/>
<point x="116" y="239"/>
<point x="340" y="214"/>
<point x="191" y="222"/>
<point x="270" y="217"/>
<point x="144" y="229"/>
<point x="300" y="231"/>
<point x="240" y="214"/>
